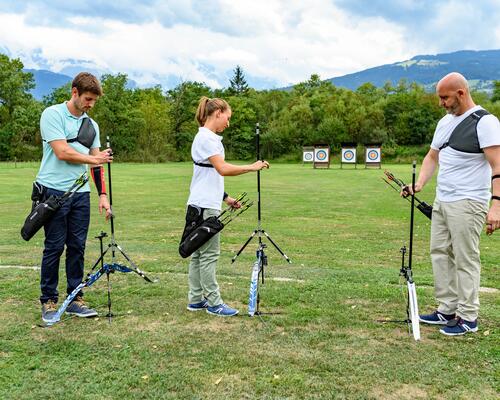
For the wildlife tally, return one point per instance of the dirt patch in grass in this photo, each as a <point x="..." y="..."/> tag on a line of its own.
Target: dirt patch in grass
<point x="404" y="392"/>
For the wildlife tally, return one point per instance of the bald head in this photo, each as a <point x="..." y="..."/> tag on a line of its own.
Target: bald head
<point x="454" y="94"/>
<point x="453" y="81"/>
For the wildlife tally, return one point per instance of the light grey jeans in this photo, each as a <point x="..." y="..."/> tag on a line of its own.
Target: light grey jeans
<point x="455" y="231"/>
<point x="202" y="280"/>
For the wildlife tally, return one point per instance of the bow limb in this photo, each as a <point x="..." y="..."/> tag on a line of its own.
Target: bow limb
<point x="87" y="283"/>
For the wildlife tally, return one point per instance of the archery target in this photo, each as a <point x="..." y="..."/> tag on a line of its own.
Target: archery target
<point x="349" y="155"/>
<point x="373" y="155"/>
<point x="321" y="155"/>
<point x="308" y="156"/>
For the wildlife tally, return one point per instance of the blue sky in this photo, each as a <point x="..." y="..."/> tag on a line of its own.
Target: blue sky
<point x="276" y="42"/>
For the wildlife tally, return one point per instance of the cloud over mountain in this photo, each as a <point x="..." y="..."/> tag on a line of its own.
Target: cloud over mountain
<point x="277" y="43"/>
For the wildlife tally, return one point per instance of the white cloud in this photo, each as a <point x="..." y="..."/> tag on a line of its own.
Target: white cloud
<point x="279" y="41"/>
<point x="465" y="25"/>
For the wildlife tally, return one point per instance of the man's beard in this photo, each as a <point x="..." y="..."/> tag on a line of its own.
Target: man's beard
<point x="81" y="108"/>
<point x="453" y="109"/>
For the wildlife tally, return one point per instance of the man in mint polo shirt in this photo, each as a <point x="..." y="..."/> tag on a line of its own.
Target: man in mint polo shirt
<point x="70" y="143"/>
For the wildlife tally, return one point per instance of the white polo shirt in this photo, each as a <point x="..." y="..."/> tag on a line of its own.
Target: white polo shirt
<point x="465" y="175"/>
<point x="207" y="185"/>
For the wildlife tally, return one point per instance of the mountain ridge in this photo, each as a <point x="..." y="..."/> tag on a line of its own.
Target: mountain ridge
<point x="480" y="67"/>
<point x="46" y="81"/>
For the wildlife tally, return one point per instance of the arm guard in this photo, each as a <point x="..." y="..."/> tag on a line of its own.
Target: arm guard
<point x="493" y="178"/>
<point x="98" y="177"/>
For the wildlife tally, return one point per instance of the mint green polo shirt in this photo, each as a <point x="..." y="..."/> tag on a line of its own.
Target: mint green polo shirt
<point x="57" y="123"/>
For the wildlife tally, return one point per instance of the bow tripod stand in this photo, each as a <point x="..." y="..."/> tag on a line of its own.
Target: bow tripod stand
<point x="261" y="261"/>
<point x="412" y="317"/>
<point x="105" y="268"/>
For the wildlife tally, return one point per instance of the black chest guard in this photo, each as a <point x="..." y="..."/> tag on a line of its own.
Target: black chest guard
<point x="464" y="136"/>
<point x="86" y="134"/>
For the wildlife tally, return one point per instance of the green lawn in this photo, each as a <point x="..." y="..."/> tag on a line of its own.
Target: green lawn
<point x="342" y="229"/>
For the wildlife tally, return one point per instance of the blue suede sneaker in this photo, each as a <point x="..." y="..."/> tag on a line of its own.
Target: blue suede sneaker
<point x="222" y="310"/>
<point x="459" y="327"/>
<point x="80" y="309"/>
<point x="49" y="310"/>
<point x="436" y="318"/>
<point x="202" y="305"/>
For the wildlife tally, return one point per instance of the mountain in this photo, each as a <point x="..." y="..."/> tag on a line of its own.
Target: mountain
<point x="46" y="82"/>
<point x="480" y="68"/>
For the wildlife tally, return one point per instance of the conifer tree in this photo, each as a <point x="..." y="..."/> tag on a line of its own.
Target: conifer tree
<point x="238" y="85"/>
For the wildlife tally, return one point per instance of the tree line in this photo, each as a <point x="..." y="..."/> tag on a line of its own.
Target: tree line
<point x="153" y="125"/>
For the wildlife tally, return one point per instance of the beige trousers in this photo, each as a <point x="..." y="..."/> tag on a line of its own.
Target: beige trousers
<point x="455" y="231"/>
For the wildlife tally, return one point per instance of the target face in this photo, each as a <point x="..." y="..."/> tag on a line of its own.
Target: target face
<point x="308" y="156"/>
<point x="348" y="155"/>
<point x="373" y="155"/>
<point x="321" y="155"/>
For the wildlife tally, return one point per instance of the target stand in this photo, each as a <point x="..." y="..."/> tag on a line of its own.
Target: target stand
<point x="307" y="154"/>
<point x="321" y="156"/>
<point x="349" y="154"/>
<point x="373" y="155"/>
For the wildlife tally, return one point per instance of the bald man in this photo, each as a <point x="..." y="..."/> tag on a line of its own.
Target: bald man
<point x="466" y="146"/>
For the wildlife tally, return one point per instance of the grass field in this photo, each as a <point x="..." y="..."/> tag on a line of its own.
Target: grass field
<point x="342" y="229"/>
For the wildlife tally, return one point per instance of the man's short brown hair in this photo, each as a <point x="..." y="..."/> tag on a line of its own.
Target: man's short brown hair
<point x="86" y="82"/>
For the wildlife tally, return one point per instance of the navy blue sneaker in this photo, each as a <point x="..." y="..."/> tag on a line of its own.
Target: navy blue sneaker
<point x="222" y="310"/>
<point x="49" y="310"/>
<point x="202" y="305"/>
<point x="459" y="327"/>
<point x="80" y="309"/>
<point x="436" y="318"/>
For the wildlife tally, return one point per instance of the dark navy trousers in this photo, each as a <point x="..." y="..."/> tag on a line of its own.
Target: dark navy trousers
<point x="68" y="228"/>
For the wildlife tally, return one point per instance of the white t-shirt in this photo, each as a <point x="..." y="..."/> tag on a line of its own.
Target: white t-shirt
<point x="207" y="185"/>
<point x="465" y="175"/>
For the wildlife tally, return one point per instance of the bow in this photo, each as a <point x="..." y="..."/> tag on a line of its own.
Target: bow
<point x="91" y="279"/>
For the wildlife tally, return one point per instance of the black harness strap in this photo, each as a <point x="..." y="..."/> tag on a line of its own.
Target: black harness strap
<point x="203" y="165"/>
<point x="464" y="136"/>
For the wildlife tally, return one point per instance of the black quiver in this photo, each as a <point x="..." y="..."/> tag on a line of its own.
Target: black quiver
<point x="425" y="209"/>
<point x="198" y="231"/>
<point x="42" y="210"/>
<point x="39" y="216"/>
<point x="199" y="235"/>
<point x="422" y="206"/>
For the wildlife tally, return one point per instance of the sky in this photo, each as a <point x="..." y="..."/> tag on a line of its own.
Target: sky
<point x="276" y="42"/>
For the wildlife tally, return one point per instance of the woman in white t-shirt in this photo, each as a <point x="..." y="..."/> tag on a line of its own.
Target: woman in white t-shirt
<point x="205" y="198"/>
